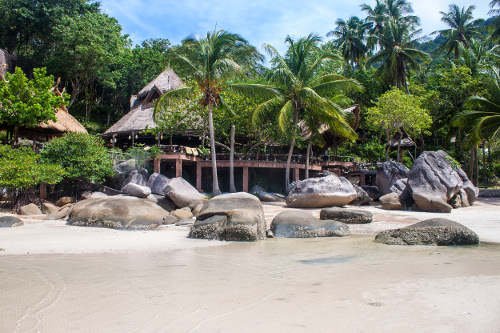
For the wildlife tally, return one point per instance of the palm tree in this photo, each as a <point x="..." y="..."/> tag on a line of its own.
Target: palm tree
<point x="462" y="29"/>
<point x="481" y="60"/>
<point x="495" y="24"/>
<point x="297" y="92"/>
<point x="397" y="56"/>
<point x="350" y="39"/>
<point x="211" y="62"/>
<point x="399" y="10"/>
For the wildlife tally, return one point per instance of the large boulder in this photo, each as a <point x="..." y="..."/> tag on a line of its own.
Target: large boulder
<point x="61" y="214"/>
<point x="136" y="190"/>
<point x="10" y="221"/>
<point x="346" y="215"/>
<point x="232" y="217"/>
<point x="389" y="173"/>
<point x="362" y="198"/>
<point x="30" y="209"/>
<point x="183" y="194"/>
<point x="430" y="232"/>
<point x="139" y="177"/>
<point x="265" y="196"/>
<point x="121" y="172"/>
<point x="298" y="224"/>
<point x="372" y="191"/>
<point x="49" y="208"/>
<point x="434" y="183"/>
<point x="119" y="212"/>
<point x="321" y="192"/>
<point x="157" y="183"/>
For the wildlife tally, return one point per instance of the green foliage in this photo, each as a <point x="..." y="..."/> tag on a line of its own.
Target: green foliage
<point x="26" y="102"/>
<point x="22" y="168"/>
<point x="142" y="154"/>
<point x="83" y="156"/>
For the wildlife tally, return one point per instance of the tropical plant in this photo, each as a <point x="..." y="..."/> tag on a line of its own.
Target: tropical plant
<point x="298" y="93"/>
<point x="462" y="29"/>
<point x="26" y="102"/>
<point x="211" y="62"/>
<point x="350" y="40"/>
<point x="398" y="56"/>
<point x="495" y="23"/>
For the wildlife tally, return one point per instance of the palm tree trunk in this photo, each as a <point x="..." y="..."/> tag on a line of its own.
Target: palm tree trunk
<point x="471" y="164"/>
<point x="388" y="145"/>
<point x="476" y="162"/>
<point x="232" y="188"/>
<point x="215" y="180"/>
<point x="307" y="159"/>
<point x="288" y="162"/>
<point x="484" y="162"/>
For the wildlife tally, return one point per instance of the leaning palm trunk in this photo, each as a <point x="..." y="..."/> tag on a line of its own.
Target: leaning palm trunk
<point x="288" y="162"/>
<point x="232" y="188"/>
<point x="215" y="180"/>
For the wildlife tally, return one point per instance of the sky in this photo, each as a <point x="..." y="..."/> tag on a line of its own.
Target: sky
<point x="259" y="21"/>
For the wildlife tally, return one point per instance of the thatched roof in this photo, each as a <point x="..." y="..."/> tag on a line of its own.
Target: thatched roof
<point x="140" y="116"/>
<point x="65" y="123"/>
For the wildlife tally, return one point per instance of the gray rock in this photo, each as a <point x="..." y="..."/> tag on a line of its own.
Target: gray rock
<point x="399" y="186"/>
<point x="136" y="190"/>
<point x="171" y="219"/>
<point x="391" y="201"/>
<point x="183" y="194"/>
<point x="321" y="192"/>
<point x="139" y="177"/>
<point x="362" y="198"/>
<point x="434" y="183"/>
<point x="157" y="183"/>
<point x="187" y="222"/>
<point x="346" y="215"/>
<point x="388" y="173"/>
<point x="233" y="217"/>
<point x="126" y="167"/>
<point x="64" y="201"/>
<point x="265" y="196"/>
<point x="119" y="212"/>
<point x="61" y="214"/>
<point x="430" y="232"/>
<point x="10" y="221"/>
<point x="49" y="208"/>
<point x="182" y="213"/>
<point x="162" y="201"/>
<point x="298" y="224"/>
<point x="372" y="191"/>
<point x="30" y="209"/>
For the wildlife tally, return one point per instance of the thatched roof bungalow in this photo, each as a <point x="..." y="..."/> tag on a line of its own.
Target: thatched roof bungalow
<point x="140" y="116"/>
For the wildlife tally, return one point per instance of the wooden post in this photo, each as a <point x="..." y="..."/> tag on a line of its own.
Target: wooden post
<point x="43" y="191"/>
<point x="157" y="162"/>
<point x="245" y="179"/>
<point x="296" y="174"/>
<point x="178" y="168"/>
<point x="198" y="176"/>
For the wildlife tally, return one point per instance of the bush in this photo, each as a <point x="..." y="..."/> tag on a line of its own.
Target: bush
<point x="84" y="157"/>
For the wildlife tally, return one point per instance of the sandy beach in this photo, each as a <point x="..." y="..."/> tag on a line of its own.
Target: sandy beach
<point x="57" y="278"/>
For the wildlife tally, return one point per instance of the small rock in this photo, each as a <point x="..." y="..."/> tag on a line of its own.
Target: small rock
<point x="391" y="201"/>
<point x="182" y="213"/>
<point x="49" y="208"/>
<point x="64" y="201"/>
<point x="346" y="215"/>
<point x="136" y="190"/>
<point x="170" y="219"/>
<point x="61" y="214"/>
<point x="30" y="209"/>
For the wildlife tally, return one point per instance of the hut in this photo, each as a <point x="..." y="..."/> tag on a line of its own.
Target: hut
<point x="127" y="130"/>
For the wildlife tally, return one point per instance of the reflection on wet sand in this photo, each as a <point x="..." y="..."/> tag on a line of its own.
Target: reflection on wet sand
<point x="279" y="285"/>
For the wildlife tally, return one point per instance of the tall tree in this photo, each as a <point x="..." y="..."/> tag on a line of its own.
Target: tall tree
<point x="462" y="29"/>
<point x="211" y="61"/>
<point x="350" y="38"/>
<point x="398" y="56"/>
<point x="297" y="92"/>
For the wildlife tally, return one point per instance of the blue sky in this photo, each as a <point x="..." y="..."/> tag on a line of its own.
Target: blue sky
<point x="259" y="21"/>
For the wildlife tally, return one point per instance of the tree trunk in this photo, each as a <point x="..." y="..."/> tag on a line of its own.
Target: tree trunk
<point x="476" y="162"/>
<point x="232" y="188"/>
<point x="288" y="162"/>
<point x="400" y="159"/>
<point x="215" y="181"/>
<point x="484" y="162"/>
<point x="307" y="159"/>
<point x="388" y="146"/>
<point x="471" y="164"/>
<point x="462" y="151"/>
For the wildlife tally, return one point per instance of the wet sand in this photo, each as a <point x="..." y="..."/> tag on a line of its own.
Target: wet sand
<point x="101" y="280"/>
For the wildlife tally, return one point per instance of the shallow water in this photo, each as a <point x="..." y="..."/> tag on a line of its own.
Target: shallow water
<point x="278" y="285"/>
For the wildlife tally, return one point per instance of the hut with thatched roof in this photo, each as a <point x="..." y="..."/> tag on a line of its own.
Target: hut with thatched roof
<point x="140" y="116"/>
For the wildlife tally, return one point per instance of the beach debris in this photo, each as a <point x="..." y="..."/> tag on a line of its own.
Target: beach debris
<point x="346" y="215"/>
<point x="232" y="217"/>
<point x="30" y="209"/>
<point x="436" y="231"/>
<point x="321" y="192"/>
<point x="298" y="224"/>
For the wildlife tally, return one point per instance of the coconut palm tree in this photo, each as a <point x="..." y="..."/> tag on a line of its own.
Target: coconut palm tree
<point x="398" y="56"/>
<point x="211" y="61"/>
<point x="495" y="24"/>
<point x="296" y="91"/>
<point x="350" y="39"/>
<point x="462" y="29"/>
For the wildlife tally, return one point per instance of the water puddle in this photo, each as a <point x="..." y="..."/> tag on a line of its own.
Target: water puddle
<point x="327" y="261"/>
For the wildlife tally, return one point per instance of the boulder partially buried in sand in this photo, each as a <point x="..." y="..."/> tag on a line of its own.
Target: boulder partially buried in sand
<point x="232" y="217"/>
<point x="297" y="224"/>
<point x="346" y="215"/>
<point x="10" y="221"/>
<point x="430" y="232"/>
<point x="119" y="212"/>
<point x="321" y="192"/>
